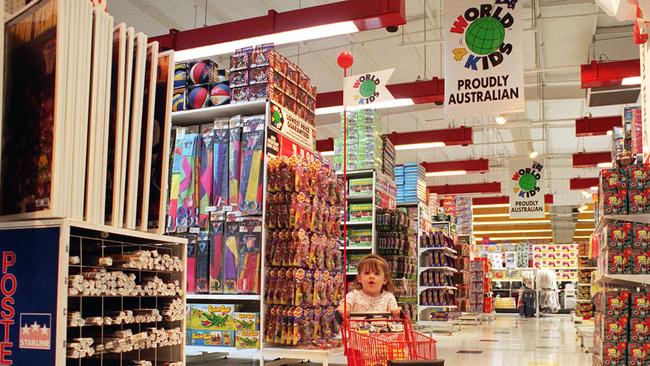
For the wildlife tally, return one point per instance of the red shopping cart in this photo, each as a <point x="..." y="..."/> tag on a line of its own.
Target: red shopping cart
<point x="396" y="340"/>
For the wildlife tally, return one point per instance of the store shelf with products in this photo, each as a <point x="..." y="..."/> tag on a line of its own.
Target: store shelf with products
<point x="85" y="270"/>
<point x="584" y="306"/>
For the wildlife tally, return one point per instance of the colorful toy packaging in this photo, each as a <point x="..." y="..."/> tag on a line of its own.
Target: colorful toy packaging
<point x="247" y="339"/>
<point x="640" y="236"/>
<point x="638" y="354"/>
<point x="247" y="321"/>
<point x="640" y="305"/>
<point x="618" y="234"/>
<point x="202" y="263"/>
<point x="213" y="338"/>
<point x="252" y="175"/>
<point x="250" y="247"/>
<point x="212" y="317"/>
<point x="303" y="282"/>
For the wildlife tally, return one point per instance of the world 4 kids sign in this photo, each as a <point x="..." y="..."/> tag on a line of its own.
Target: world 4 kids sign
<point x="527" y="195"/>
<point x="483" y="57"/>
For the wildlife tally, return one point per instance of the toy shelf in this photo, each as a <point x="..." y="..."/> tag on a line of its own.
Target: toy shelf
<point x="207" y="115"/>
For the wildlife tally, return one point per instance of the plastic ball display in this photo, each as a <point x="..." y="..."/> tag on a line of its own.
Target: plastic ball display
<point x="178" y="102"/>
<point x="220" y="94"/>
<point x="201" y="72"/>
<point x="197" y="98"/>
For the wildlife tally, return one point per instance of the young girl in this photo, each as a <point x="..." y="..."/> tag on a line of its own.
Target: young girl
<point x="374" y="289"/>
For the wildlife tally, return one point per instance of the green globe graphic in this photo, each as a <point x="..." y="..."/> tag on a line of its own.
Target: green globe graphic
<point x="367" y="88"/>
<point x="485" y="35"/>
<point x="527" y="182"/>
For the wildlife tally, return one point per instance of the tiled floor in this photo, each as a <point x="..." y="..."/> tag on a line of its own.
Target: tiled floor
<point x="509" y="340"/>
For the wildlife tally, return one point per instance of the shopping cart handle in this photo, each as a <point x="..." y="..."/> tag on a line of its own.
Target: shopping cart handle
<point x="374" y="315"/>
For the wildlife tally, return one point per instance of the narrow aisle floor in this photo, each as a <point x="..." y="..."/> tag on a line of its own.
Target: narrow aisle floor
<point x="512" y="340"/>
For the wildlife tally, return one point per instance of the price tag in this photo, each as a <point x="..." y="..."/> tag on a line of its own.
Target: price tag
<point x="181" y="229"/>
<point x="195" y="230"/>
<point x="211" y="209"/>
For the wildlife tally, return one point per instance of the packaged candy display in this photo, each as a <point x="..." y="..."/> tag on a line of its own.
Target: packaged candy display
<point x="411" y="185"/>
<point x="220" y="325"/>
<point x="199" y="84"/>
<point x="364" y="143"/>
<point x="304" y="279"/>
<point x="437" y="297"/>
<point x="479" y="285"/>
<point x="433" y="277"/>
<point x="625" y="190"/>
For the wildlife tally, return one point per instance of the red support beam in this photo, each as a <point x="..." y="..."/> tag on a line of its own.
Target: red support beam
<point x="325" y="145"/>
<point x="473" y="166"/>
<point x="493" y="187"/>
<point x="583" y="183"/>
<point x="366" y="15"/>
<point x="422" y="92"/>
<point x="611" y="73"/>
<point x="592" y="159"/>
<point x="496" y="200"/>
<point x="597" y="126"/>
<point x="450" y="136"/>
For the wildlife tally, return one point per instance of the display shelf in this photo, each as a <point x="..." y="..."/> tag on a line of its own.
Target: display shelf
<point x="438" y="287"/>
<point x="230" y="352"/>
<point x="438" y="306"/>
<point x="446" y="269"/>
<point x="624" y="279"/>
<point x="207" y="115"/>
<point x="207" y="297"/>
<point x="407" y="204"/>
<point x="365" y="197"/>
<point x="641" y="218"/>
<point x="290" y="353"/>
<point x="357" y="248"/>
<point x="358" y="223"/>
<point x="445" y="249"/>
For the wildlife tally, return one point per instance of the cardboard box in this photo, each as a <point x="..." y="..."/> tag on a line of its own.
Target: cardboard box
<point x="247" y="321"/>
<point x="212" y="317"/>
<point x="213" y="338"/>
<point x="247" y="339"/>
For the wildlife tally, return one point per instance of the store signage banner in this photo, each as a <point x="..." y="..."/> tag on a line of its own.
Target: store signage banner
<point x="29" y="263"/>
<point x="293" y="127"/>
<point x="484" y="64"/>
<point x="367" y="89"/>
<point x="527" y="194"/>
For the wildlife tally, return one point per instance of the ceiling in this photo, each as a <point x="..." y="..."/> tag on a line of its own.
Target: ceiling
<point x="560" y="35"/>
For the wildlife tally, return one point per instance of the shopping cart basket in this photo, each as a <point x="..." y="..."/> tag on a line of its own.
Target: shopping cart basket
<point x="398" y="343"/>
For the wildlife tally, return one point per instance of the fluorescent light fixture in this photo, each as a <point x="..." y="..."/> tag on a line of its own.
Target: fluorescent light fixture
<point x="424" y="145"/>
<point x="519" y="238"/>
<point x="512" y="222"/>
<point x="533" y="154"/>
<point x="446" y="173"/>
<point x="513" y="231"/>
<point x="297" y="35"/>
<point x="593" y="188"/>
<point x="491" y="215"/>
<point x="492" y="205"/>
<point x="500" y="120"/>
<point x="401" y="102"/>
<point x="588" y="230"/>
<point x="582" y="237"/>
<point x="327" y="153"/>
<point x="634" y="80"/>
<point x="608" y="164"/>
<point x="610" y="132"/>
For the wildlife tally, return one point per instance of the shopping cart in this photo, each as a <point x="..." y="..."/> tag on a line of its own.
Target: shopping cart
<point x="396" y="342"/>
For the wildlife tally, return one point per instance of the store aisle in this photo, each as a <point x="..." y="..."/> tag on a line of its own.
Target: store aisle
<point x="511" y="340"/>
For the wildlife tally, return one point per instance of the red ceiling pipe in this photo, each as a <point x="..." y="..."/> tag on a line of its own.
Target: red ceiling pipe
<point x="366" y="14"/>
<point x="611" y="73"/>
<point x="450" y="136"/>
<point x="473" y="166"/>
<point x="548" y="199"/>
<point x="583" y="183"/>
<point x="596" y="126"/>
<point x="422" y="92"/>
<point x="494" y="187"/>
<point x="589" y="160"/>
<point x="325" y="145"/>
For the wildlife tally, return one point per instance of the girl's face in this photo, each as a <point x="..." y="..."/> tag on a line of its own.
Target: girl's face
<point x="372" y="280"/>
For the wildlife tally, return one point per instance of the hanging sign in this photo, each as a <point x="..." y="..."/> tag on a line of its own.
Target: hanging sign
<point x="527" y="194"/>
<point x="367" y="89"/>
<point x="484" y="64"/>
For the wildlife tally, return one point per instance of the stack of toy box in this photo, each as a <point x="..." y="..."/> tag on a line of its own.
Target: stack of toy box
<point x="434" y="204"/>
<point x="388" y="157"/>
<point x="633" y="127"/>
<point x="626" y="248"/>
<point x="464" y="215"/>
<point x="218" y="325"/>
<point x="411" y="186"/>
<point x="364" y="143"/>
<point x="478" y="274"/>
<point x="625" y="190"/>
<point x="622" y="331"/>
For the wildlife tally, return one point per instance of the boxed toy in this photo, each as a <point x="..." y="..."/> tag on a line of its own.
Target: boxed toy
<point x="639" y="330"/>
<point x="213" y="338"/>
<point x="212" y="317"/>
<point x="360" y="186"/>
<point x="618" y="234"/>
<point x="250" y="241"/>
<point x="247" y="321"/>
<point x="614" y="354"/>
<point x="614" y="202"/>
<point x="639" y="201"/>
<point x="361" y="212"/>
<point x="359" y="237"/>
<point x="247" y="339"/>
<point x="616" y="303"/>
<point x="640" y="262"/>
<point x="613" y="179"/>
<point x="641" y="235"/>
<point x="618" y="261"/>
<point x="638" y="354"/>
<point x="640" y="305"/>
<point x="638" y="176"/>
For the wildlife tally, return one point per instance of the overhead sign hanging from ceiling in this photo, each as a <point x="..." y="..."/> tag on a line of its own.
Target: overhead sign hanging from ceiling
<point x="527" y="194"/>
<point x="484" y="65"/>
<point x="367" y="90"/>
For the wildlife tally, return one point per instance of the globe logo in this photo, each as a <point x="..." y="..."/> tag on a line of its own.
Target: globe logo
<point x="485" y="36"/>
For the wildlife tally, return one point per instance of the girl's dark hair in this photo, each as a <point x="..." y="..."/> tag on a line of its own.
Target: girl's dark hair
<point x="376" y="263"/>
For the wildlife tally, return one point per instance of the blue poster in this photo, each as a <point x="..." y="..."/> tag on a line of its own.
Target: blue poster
<point x="29" y="264"/>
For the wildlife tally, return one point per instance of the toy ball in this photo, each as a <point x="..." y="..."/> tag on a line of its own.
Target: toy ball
<point x="220" y="94"/>
<point x="201" y="72"/>
<point x="178" y="102"/>
<point x="198" y="98"/>
<point x="180" y="77"/>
